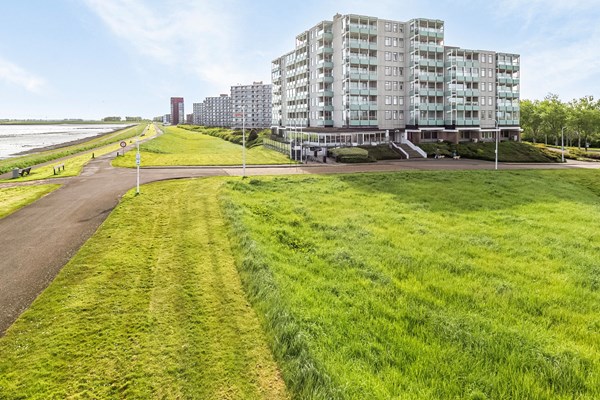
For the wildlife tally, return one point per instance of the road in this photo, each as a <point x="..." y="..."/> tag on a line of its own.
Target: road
<point x="38" y="240"/>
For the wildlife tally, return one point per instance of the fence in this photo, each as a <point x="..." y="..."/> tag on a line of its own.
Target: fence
<point x="284" y="148"/>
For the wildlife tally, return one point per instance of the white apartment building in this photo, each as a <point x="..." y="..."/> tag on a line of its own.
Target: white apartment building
<point x="216" y="111"/>
<point x="198" y="109"/>
<point x="253" y="102"/>
<point x="370" y="73"/>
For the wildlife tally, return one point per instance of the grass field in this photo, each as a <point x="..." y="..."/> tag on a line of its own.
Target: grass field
<point x="413" y="285"/>
<point x="151" y="307"/>
<point x="11" y="199"/>
<point x="426" y="285"/>
<point x="182" y="147"/>
<point x="8" y="164"/>
<point x="517" y="152"/>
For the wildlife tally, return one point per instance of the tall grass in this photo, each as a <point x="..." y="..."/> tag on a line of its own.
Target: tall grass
<point x="426" y="285"/>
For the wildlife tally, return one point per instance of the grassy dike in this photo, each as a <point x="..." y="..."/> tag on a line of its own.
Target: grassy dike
<point x="150" y="307"/>
<point x="426" y="285"/>
<point x="14" y="198"/>
<point x="182" y="147"/>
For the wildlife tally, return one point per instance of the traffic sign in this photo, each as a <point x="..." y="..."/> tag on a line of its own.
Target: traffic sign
<point x="138" y="159"/>
<point x="123" y="144"/>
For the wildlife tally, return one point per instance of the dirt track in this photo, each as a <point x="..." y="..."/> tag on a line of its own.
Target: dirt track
<point x="38" y="240"/>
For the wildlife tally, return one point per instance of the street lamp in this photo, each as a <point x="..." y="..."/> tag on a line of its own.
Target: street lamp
<point x="562" y="143"/>
<point x="497" y="139"/>
<point x="243" y="141"/>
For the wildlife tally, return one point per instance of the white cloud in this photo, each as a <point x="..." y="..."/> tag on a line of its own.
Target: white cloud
<point x="198" y="36"/>
<point x="16" y="75"/>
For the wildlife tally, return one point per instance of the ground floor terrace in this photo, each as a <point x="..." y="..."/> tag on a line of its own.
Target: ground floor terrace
<point x="458" y="135"/>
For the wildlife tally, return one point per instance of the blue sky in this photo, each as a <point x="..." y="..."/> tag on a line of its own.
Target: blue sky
<point x="94" y="58"/>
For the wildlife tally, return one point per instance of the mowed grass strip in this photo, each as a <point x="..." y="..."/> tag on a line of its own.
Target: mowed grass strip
<point x="426" y="285"/>
<point x="14" y="198"/>
<point x="182" y="147"/>
<point x="150" y="307"/>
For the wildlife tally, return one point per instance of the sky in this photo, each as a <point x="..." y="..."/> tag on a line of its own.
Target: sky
<point x="95" y="58"/>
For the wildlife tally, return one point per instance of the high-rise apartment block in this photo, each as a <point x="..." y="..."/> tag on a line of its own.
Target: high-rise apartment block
<point x="365" y="72"/>
<point x="255" y="102"/>
<point x="177" y="113"/>
<point x="198" y="110"/>
<point x="216" y="111"/>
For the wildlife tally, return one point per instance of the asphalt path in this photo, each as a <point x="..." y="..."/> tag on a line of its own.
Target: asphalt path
<point x="38" y="240"/>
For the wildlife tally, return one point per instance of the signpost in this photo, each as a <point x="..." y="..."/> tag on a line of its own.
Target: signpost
<point x="123" y="145"/>
<point x="138" y="159"/>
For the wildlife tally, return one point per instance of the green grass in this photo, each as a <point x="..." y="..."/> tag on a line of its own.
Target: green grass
<point x="521" y="152"/>
<point x="426" y="285"/>
<point x="8" y="164"/>
<point x="350" y="155"/>
<point x="150" y="307"/>
<point x="14" y="198"/>
<point x="382" y="152"/>
<point x="182" y="147"/>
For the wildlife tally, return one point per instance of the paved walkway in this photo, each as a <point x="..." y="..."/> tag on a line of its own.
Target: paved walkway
<point x="38" y="240"/>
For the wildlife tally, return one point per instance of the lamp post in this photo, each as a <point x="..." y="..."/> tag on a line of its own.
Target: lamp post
<point x="243" y="141"/>
<point x="562" y="143"/>
<point x="497" y="140"/>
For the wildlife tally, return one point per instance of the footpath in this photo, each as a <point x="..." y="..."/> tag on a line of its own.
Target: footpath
<point x="38" y="240"/>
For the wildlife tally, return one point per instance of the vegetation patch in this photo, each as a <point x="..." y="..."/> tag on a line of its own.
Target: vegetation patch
<point x="381" y="152"/>
<point x="150" y="307"/>
<point x="518" y="152"/>
<point x="183" y="147"/>
<point x="350" y="155"/>
<point x="254" y="137"/>
<point x="14" y="198"/>
<point x="426" y="285"/>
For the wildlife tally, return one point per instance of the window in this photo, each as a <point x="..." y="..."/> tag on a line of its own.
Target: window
<point x="395" y="114"/>
<point x="388" y="114"/>
<point x="401" y="100"/>
<point x="490" y="101"/>
<point x="483" y="88"/>
<point x="388" y="100"/>
<point x="388" y="41"/>
<point x="395" y="56"/>
<point x="388" y="71"/>
<point x="395" y="85"/>
<point x="489" y="114"/>
<point x="388" y="56"/>
<point x="401" y="114"/>
<point x="490" y="88"/>
<point x="388" y="85"/>
<point x="395" y="42"/>
<point x="482" y="100"/>
<point x="490" y="58"/>
<point x="490" y="73"/>
<point x="482" y="58"/>
<point x="395" y="27"/>
<point x="483" y="72"/>
<point x="395" y="100"/>
<point x="388" y="26"/>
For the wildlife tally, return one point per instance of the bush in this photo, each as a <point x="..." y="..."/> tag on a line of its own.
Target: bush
<point x="350" y="155"/>
<point x="507" y="151"/>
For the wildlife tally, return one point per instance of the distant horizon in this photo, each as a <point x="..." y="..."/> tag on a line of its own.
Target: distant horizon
<point x="96" y="58"/>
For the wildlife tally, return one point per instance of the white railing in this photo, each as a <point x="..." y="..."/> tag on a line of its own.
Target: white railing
<point x="400" y="149"/>
<point x="414" y="147"/>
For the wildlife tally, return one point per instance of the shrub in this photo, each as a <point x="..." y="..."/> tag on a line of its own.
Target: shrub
<point x="350" y="155"/>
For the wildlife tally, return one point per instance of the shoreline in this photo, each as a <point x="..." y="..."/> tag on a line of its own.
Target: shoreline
<point x="64" y="144"/>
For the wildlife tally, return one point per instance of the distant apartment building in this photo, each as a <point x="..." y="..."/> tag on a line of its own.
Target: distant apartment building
<point x="198" y="109"/>
<point x="216" y="111"/>
<point x="189" y="119"/>
<point x="370" y="73"/>
<point x="177" y="112"/>
<point x="253" y="102"/>
<point x="167" y="119"/>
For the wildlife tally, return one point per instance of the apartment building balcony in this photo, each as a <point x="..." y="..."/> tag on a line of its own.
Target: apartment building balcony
<point x="424" y="62"/>
<point x="370" y="106"/>
<point x="467" y="122"/>
<point x="508" y="108"/>
<point x="429" y="32"/>
<point x="431" y="106"/>
<point x="325" y="93"/>
<point x="325" y="122"/>
<point x="462" y="64"/>
<point x="508" y="80"/>
<point x="453" y="75"/>
<point x="325" y="79"/>
<point x="325" y="50"/>
<point x="363" y="122"/>
<point x="427" y="92"/>
<point x="328" y="36"/>
<point x="462" y="93"/>
<point x="430" y="122"/>
<point x="508" y="95"/>
<point x="371" y="30"/>
<point x="436" y="48"/>
<point x="324" y="64"/>
<point x="462" y="107"/>
<point x="361" y="45"/>
<point x="362" y="60"/>
<point x="508" y="122"/>
<point x="363" y="92"/>
<point x="328" y="107"/>
<point x="429" y="77"/>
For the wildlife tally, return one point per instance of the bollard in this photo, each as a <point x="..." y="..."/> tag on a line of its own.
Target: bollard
<point x="93" y="155"/>
<point x="15" y="173"/>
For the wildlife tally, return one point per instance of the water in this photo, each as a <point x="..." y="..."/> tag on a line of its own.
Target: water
<point x="15" y="139"/>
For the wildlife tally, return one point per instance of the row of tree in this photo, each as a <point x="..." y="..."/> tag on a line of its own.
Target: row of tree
<point x="546" y="120"/>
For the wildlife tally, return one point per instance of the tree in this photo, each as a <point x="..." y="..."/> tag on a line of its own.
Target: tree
<point x="531" y="120"/>
<point x="553" y="113"/>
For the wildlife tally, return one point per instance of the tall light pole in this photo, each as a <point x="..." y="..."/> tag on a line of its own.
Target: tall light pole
<point x="562" y="143"/>
<point x="243" y="141"/>
<point x="497" y="140"/>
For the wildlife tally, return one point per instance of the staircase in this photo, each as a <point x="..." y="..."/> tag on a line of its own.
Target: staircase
<point x="408" y="150"/>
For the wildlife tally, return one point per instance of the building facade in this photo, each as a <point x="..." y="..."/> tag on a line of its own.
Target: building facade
<point x="198" y="110"/>
<point x="216" y="111"/>
<point x="253" y="101"/>
<point x="177" y="112"/>
<point x="366" y="72"/>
